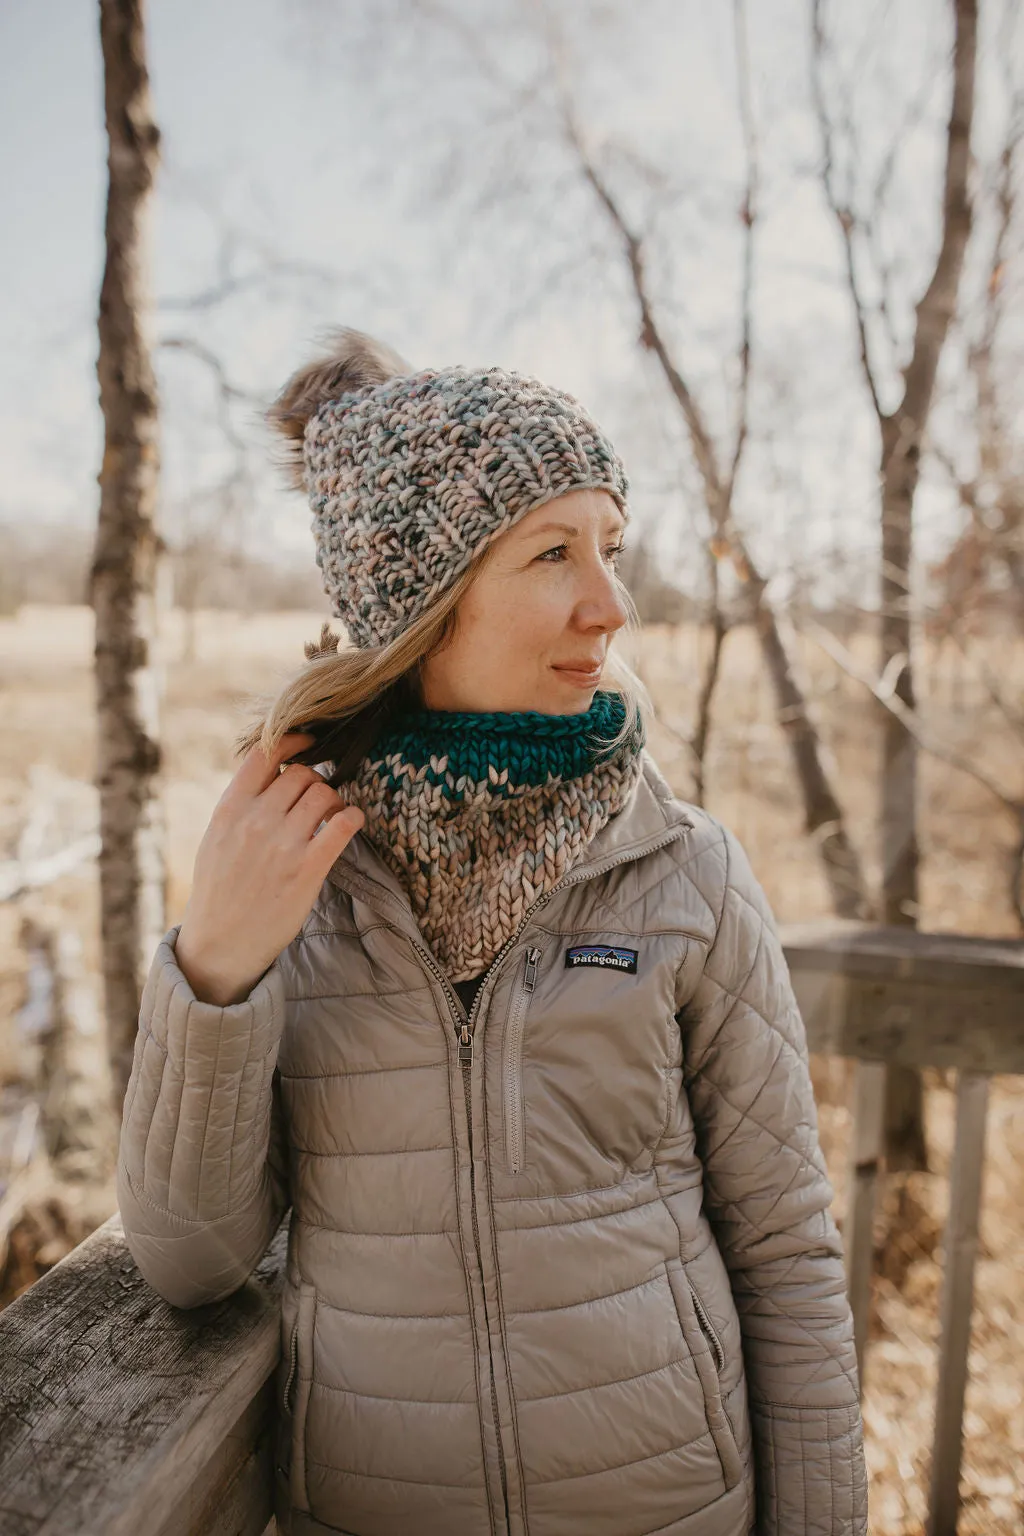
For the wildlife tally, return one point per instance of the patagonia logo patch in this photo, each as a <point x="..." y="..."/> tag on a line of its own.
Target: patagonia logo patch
<point x="607" y="956"/>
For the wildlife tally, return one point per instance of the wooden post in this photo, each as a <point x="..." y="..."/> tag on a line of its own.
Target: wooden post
<point x="957" y="1300"/>
<point x="867" y="1145"/>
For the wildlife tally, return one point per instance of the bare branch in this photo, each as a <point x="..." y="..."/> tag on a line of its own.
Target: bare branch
<point x="935" y="309"/>
<point x="884" y="690"/>
<point x="708" y="684"/>
<point x="912" y="117"/>
<point x="227" y="394"/>
<point x="650" y="336"/>
<point x="1012" y="717"/>
<point x="211" y="361"/>
<point x="843" y="214"/>
<point x="230" y="282"/>
<point x="749" y="216"/>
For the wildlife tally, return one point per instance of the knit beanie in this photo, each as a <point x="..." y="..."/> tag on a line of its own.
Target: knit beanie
<point x="411" y="475"/>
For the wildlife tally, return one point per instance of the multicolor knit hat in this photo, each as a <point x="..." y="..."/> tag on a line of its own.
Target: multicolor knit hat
<point x="411" y="475"/>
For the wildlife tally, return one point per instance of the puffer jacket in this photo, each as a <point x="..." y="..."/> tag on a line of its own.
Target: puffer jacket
<point x="561" y="1267"/>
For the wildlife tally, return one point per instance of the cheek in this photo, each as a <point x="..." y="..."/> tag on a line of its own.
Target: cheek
<point x="529" y="613"/>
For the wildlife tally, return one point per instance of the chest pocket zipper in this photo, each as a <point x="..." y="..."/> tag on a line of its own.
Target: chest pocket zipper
<point x="512" y="1064"/>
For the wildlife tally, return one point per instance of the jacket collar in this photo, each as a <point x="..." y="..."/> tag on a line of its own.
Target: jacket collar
<point x="653" y="817"/>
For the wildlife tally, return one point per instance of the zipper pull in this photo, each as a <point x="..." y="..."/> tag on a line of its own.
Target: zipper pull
<point x="465" y="1046"/>
<point x="532" y="959"/>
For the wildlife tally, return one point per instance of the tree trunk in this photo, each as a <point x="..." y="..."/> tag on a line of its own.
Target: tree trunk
<point x="127" y="550"/>
<point x="902" y="441"/>
<point x="823" y="816"/>
<point x="706" y="693"/>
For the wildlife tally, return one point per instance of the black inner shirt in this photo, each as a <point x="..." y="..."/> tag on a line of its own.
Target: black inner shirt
<point x="468" y="990"/>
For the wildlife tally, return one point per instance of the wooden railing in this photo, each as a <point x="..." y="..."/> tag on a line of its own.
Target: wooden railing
<point x="119" y="1414"/>
<point x="883" y="995"/>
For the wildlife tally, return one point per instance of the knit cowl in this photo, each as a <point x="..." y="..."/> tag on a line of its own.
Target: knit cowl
<point x="480" y="814"/>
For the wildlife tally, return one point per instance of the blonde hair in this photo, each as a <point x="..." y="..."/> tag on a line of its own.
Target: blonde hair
<point x="346" y="697"/>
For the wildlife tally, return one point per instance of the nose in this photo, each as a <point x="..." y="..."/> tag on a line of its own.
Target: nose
<point x="601" y="606"/>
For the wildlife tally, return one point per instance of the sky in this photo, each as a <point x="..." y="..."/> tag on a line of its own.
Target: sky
<point x="372" y="161"/>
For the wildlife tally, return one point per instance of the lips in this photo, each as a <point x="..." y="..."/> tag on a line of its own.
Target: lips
<point x="584" y="670"/>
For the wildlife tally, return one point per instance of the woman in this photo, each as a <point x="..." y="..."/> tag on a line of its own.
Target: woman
<point x="504" y="1023"/>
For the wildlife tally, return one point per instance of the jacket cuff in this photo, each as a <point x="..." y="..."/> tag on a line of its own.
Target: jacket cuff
<point x="197" y="1112"/>
<point x="170" y="1007"/>
<point x="811" y="1474"/>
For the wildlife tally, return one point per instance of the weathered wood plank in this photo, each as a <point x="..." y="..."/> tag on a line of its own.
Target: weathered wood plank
<point x="867" y="1145"/>
<point x="917" y="999"/>
<point x="233" y="1494"/>
<point x="112" y="1402"/>
<point x="878" y="952"/>
<point x="961" y="1248"/>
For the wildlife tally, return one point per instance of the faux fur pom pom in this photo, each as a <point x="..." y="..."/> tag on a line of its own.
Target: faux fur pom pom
<point x="352" y="362"/>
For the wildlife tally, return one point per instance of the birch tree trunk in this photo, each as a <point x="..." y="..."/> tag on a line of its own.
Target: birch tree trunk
<point x="127" y="550"/>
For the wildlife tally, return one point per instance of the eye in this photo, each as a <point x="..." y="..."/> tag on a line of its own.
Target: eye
<point x="557" y="549"/>
<point x="612" y="553"/>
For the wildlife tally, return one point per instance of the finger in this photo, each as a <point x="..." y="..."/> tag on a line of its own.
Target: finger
<point x="258" y="771"/>
<point x="318" y="803"/>
<point x="333" y="838"/>
<point x="291" y="784"/>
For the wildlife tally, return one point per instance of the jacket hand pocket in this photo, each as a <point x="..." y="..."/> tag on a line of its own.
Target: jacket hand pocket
<point x="707" y="1327"/>
<point x="708" y="1355"/>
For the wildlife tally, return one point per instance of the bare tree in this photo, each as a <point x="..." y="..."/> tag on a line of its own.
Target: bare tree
<point x="719" y="470"/>
<point x="127" y="553"/>
<point x="901" y="436"/>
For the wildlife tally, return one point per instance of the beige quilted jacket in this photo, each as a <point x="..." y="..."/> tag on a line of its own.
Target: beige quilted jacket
<point x="564" y="1267"/>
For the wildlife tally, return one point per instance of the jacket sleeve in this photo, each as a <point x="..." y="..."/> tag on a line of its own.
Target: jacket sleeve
<point x="202" y="1173"/>
<point x="767" y="1198"/>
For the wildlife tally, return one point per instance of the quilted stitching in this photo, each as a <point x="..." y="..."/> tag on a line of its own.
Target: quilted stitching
<point x="767" y="1197"/>
<point x="565" y="1304"/>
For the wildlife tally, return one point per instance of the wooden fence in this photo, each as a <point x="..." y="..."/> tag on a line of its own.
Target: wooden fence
<point x="883" y="995"/>
<point x="119" y="1414"/>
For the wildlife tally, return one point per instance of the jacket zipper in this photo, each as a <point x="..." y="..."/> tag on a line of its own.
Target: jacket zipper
<point x="465" y="1063"/>
<point x="464" y="1040"/>
<point x="293" y="1351"/>
<point x="708" y="1328"/>
<point x="513" y="1064"/>
<point x="573" y="878"/>
<point x="464" y="1029"/>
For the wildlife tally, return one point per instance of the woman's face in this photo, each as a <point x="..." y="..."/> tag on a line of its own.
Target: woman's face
<point x="544" y="606"/>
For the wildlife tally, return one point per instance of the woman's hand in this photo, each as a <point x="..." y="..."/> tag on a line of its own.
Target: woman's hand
<point x="258" y="870"/>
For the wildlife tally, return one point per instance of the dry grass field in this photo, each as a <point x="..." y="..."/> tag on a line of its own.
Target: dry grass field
<point x="46" y="760"/>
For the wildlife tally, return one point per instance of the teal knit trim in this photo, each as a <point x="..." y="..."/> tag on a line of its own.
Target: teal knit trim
<point x="523" y="748"/>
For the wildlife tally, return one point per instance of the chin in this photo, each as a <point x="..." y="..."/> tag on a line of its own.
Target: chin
<point x="572" y="699"/>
